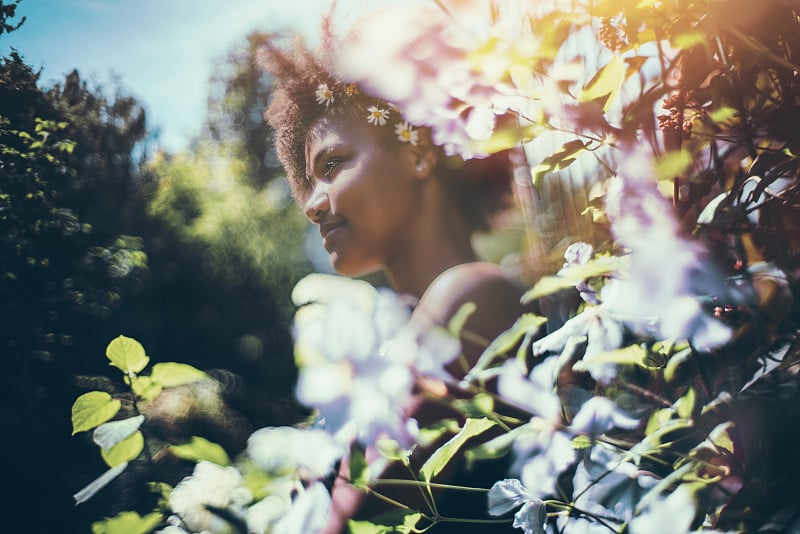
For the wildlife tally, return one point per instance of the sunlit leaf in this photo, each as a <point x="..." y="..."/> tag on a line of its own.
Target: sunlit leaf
<point x="124" y="451"/>
<point x="145" y="387"/>
<point x="391" y="449"/>
<point x="495" y="447"/>
<point x="688" y="39"/>
<point x="359" y="475"/>
<point x="480" y="405"/>
<point x="171" y="374"/>
<point x="199" y="448"/>
<point x="99" y="483"/>
<point x="562" y="159"/>
<point x="581" y="442"/>
<point x="442" y="456"/>
<point x="685" y="405"/>
<point x="93" y="409"/>
<point x="128" y="523"/>
<point x="127" y="355"/>
<point x="395" y="522"/>
<point x="506" y="341"/>
<point x="630" y="355"/>
<point x="721" y="438"/>
<point x="605" y="84"/>
<point x="673" y="164"/>
<point x="722" y="114"/>
<point x="109" y="434"/>
<point x="573" y="274"/>
<point x="459" y="319"/>
<point x="431" y="433"/>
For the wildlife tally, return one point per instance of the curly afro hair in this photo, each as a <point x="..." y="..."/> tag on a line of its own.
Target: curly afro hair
<point x="482" y="187"/>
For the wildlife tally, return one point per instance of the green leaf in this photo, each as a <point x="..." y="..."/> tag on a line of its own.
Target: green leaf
<point x="199" y="448"/>
<point x="391" y="449"/>
<point x="359" y="476"/>
<point x="562" y="159"/>
<point x="481" y="405"/>
<point x="675" y="361"/>
<point x="394" y="522"/>
<point x="128" y="523"/>
<point x="574" y="274"/>
<point x="721" y="438"/>
<point x="442" y="456"/>
<point x="495" y="447"/>
<point x="459" y="319"/>
<point x="688" y="39"/>
<point x="145" y="387"/>
<point x="685" y="405"/>
<point x="506" y="341"/>
<point x="429" y="434"/>
<point x="581" y="442"/>
<point x="124" y="451"/>
<point x="93" y="409"/>
<point x="673" y="164"/>
<point x="171" y="374"/>
<point x="722" y="114"/>
<point x="605" y="84"/>
<point x="630" y="355"/>
<point x="127" y="355"/>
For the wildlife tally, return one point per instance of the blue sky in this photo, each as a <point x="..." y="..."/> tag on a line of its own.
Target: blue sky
<point x="162" y="51"/>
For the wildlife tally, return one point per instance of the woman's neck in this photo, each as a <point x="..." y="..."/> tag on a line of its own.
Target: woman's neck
<point x="433" y="245"/>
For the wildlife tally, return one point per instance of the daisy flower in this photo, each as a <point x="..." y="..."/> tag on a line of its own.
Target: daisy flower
<point x="324" y="94"/>
<point x="406" y="133"/>
<point x="377" y="116"/>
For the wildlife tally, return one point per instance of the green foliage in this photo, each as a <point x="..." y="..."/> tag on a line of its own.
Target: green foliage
<point x="128" y="523"/>
<point x="199" y="448"/>
<point x="444" y="454"/>
<point x="122" y="442"/>
<point x="92" y="409"/>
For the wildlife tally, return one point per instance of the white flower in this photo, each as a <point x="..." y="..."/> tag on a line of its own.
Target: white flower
<point x="676" y="510"/>
<point x="600" y="414"/>
<point x="505" y="495"/>
<point x="263" y="515"/>
<point x="308" y="513"/>
<point x="209" y="484"/>
<point x="665" y="270"/>
<point x="449" y="75"/>
<point x="536" y="392"/>
<point x="608" y="485"/>
<point x="324" y="95"/>
<point x="350" y="371"/>
<point x="312" y="453"/>
<point x="551" y="454"/>
<point x="406" y="133"/>
<point x="377" y="116"/>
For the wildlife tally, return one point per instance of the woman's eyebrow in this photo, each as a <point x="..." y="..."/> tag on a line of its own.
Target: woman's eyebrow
<point x="324" y="151"/>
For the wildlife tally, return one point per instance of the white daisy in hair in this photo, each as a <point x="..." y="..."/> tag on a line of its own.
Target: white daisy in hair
<point x="324" y="94"/>
<point x="406" y="133"/>
<point x="377" y="116"/>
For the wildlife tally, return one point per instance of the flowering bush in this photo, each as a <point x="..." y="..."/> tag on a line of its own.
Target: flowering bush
<point x="667" y="398"/>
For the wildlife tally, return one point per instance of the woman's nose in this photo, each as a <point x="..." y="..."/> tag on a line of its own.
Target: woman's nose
<point x="317" y="204"/>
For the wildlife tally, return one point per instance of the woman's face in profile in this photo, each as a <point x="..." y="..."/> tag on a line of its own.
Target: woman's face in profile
<point x="364" y="193"/>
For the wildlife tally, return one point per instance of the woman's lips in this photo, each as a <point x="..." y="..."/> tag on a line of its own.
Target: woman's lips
<point x="329" y="229"/>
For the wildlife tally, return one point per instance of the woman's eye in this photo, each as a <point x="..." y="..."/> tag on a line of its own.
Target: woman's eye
<point x="330" y="165"/>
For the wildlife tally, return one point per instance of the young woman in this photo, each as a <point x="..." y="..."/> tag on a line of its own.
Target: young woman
<point x="384" y="197"/>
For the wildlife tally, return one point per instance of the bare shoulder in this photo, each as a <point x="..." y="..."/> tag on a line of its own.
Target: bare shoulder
<point x="478" y="282"/>
<point x="496" y="297"/>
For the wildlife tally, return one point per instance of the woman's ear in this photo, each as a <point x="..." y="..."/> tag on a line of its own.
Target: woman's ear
<point x="425" y="157"/>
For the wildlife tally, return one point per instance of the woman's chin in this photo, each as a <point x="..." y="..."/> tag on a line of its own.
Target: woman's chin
<point x="351" y="268"/>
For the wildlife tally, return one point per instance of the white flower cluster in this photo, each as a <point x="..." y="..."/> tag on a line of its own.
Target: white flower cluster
<point x="454" y="79"/>
<point x="358" y="355"/>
